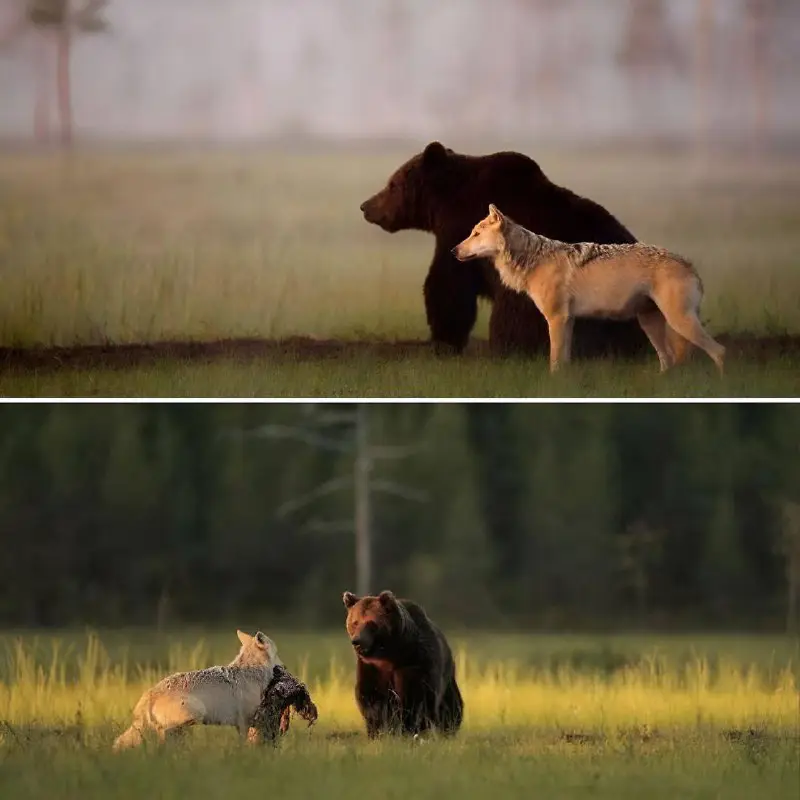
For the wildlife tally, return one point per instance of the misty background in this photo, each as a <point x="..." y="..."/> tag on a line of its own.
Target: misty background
<point x="338" y="70"/>
<point x="549" y="517"/>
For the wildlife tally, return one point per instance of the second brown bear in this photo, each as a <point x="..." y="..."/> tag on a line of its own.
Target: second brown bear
<point x="405" y="673"/>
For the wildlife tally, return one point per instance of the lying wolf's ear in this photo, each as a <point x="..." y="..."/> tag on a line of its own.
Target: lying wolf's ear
<point x="349" y="599"/>
<point x="434" y="155"/>
<point x="387" y="599"/>
<point x="244" y="638"/>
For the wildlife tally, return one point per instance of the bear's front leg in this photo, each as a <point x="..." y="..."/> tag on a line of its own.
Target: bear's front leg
<point x="451" y="302"/>
<point x="516" y="326"/>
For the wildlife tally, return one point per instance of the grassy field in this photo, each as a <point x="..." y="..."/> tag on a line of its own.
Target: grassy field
<point x="117" y="247"/>
<point x="546" y="716"/>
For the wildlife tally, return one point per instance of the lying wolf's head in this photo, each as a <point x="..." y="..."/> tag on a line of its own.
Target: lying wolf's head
<point x="256" y="651"/>
<point x="487" y="239"/>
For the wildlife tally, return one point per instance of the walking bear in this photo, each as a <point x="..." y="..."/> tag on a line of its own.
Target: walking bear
<point x="405" y="673"/>
<point x="446" y="193"/>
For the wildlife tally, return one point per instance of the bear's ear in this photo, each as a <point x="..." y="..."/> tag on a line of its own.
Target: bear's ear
<point x="387" y="599"/>
<point x="434" y="155"/>
<point x="349" y="599"/>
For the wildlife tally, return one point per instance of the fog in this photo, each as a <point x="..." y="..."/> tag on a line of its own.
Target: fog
<point x="343" y="69"/>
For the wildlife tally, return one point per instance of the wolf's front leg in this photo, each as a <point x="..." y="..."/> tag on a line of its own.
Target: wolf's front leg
<point x="557" y="326"/>
<point x="566" y="342"/>
<point x="242" y="724"/>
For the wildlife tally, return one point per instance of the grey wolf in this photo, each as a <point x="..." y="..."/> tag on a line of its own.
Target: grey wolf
<point x="219" y="695"/>
<point x="660" y="289"/>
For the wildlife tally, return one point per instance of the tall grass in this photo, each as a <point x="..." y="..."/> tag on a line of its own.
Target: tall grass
<point x="62" y="685"/>
<point x="128" y="247"/>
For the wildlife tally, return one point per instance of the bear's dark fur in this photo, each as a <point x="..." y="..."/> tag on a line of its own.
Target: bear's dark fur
<point x="446" y="193"/>
<point x="405" y="674"/>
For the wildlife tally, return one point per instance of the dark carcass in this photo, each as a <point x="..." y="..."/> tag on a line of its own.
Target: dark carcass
<point x="283" y="693"/>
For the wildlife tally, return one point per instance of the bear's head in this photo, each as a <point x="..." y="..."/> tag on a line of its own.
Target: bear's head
<point x="407" y="200"/>
<point x="376" y="625"/>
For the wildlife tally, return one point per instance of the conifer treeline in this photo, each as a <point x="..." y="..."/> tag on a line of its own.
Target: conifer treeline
<point x="536" y="514"/>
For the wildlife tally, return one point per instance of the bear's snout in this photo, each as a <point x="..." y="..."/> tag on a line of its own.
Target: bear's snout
<point x="367" y="208"/>
<point x="375" y="213"/>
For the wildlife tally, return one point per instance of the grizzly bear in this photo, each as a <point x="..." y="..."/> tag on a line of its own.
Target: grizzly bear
<point x="405" y="673"/>
<point x="446" y="193"/>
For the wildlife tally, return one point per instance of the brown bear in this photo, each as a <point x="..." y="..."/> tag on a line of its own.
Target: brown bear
<point x="446" y="193"/>
<point x="405" y="673"/>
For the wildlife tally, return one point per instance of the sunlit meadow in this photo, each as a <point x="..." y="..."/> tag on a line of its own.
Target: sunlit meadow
<point x="561" y="716"/>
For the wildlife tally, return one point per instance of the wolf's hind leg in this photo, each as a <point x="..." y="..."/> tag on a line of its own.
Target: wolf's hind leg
<point x="678" y="345"/>
<point x="655" y="327"/>
<point x="689" y="326"/>
<point x="170" y="714"/>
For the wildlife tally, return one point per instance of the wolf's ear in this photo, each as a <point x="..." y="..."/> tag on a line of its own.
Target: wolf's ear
<point x="494" y="213"/>
<point x="349" y="599"/>
<point x="434" y="155"/>
<point x="244" y="638"/>
<point x="387" y="599"/>
<point x="261" y="640"/>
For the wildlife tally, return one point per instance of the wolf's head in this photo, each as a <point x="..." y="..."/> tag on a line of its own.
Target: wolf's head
<point x="256" y="651"/>
<point x="487" y="239"/>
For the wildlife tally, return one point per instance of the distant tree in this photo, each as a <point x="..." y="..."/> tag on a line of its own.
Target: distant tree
<point x="493" y="436"/>
<point x="757" y="18"/>
<point x="650" y="50"/>
<point x="640" y="548"/>
<point x="53" y="23"/>
<point x="346" y="432"/>
<point x="790" y="549"/>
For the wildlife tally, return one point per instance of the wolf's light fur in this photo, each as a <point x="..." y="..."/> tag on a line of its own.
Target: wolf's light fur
<point x="618" y="281"/>
<point x="226" y="695"/>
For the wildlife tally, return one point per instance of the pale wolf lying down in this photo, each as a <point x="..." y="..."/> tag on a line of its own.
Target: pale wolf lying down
<point x="215" y="696"/>
<point x="618" y="281"/>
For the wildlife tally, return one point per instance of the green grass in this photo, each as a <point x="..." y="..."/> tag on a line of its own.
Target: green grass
<point x="547" y="716"/>
<point x="120" y="247"/>
<point x="414" y="376"/>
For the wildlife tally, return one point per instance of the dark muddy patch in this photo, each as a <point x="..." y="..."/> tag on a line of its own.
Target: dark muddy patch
<point x="299" y="348"/>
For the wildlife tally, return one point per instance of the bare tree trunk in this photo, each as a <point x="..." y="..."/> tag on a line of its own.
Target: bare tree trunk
<point x="64" y="45"/>
<point x="790" y="547"/>
<point x="703" y="42"/>
<point x="759" y="70"/>
<point x="363" y="466"/>
<point x="42" y="51"/>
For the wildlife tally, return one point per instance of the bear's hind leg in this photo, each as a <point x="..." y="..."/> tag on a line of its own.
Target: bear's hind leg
<point x="451" y="709"/>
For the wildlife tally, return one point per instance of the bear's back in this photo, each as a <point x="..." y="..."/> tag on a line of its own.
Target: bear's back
<point x="516" y="184"/>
